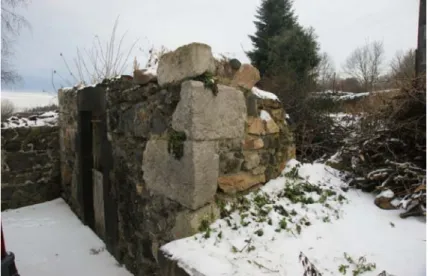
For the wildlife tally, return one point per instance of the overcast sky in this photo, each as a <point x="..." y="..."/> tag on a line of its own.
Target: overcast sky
<point x="61" y="26"/>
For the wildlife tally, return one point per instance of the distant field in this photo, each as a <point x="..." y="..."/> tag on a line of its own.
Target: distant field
<point x="24" y="100"/>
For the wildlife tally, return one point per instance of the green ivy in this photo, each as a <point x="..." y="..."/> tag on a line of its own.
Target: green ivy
<point x="176" y="144"/>
<point x="209" y="81"/>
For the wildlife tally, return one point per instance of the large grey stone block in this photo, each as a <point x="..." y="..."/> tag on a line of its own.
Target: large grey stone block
<point x="188" y="61"/>
<point x="203" y="116"/>
<point x="191" y="180"/>
<point x="187" y="223"/>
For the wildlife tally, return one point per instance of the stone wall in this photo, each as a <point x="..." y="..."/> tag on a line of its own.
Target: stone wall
<point x="167" y="146"/>
<point x="262" y="153"/>
<point x="135" y="114"/>
<point x="30" y="166"/>
<point x="68" y="122"/>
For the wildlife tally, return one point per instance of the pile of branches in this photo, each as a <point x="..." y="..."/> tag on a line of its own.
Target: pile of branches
<point x="388" y="151"/>
<point x="317" y="133"/>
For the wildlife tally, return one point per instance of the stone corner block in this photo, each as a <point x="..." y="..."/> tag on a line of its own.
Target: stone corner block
<point x="271" y="127"/>
<point x="191" y="181"/>
<point x="187" y="223"/>
<point x="247" y="77"/>
<point x="188" y="61"/>
<point x="204" y="116"/>
<point x="231" y="184"/>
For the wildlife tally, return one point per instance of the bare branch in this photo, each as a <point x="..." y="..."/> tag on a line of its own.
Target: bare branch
<point x="403" y="66"/>
<point x="365" y="64"/>
<point x="106" y="59"/>
<point x="11" y="25"/>
<point x="325" y="72"/>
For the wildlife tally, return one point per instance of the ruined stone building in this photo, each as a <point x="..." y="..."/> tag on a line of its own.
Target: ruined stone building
<point x="142" y="160"/>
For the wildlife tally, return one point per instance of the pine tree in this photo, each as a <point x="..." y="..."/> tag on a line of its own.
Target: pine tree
<point x="281" y="45"/>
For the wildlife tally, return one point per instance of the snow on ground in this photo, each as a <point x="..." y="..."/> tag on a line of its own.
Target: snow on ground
<point x="24" y="100"/>
<point x="264" y="94"/>
<point x="49" y="118"/>
<point x="49" y="240"/>
<point x="340" y="95"/>
<point x="344" y="96"/>
<point x="337" y="231"/>
<point x="352" y="96"/>
<point x="346" y="119"/>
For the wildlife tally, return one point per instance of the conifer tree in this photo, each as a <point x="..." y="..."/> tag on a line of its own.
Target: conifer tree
<point x="281" y="45"/>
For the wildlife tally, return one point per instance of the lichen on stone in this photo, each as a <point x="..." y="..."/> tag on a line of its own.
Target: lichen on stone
<point x="176" y="143"/>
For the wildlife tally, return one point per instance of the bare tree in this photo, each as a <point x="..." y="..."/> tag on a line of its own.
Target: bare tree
<point x="11" y="25"/>
<point x="403" y="65"/>
<point x="325" y="72"/>
<point x="104" y="60"/>
<point x="365" y="64"/>
<point x="7" y="109"/>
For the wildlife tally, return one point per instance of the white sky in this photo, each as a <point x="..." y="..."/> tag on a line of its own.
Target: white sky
<point x="61" y="26"/>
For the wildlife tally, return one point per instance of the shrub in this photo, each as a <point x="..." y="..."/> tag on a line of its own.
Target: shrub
<point x="7" y="109"/>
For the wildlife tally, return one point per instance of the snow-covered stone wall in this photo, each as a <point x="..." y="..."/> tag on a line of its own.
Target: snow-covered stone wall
<point x="165" y="145"/>
<point x="30" y="171"/>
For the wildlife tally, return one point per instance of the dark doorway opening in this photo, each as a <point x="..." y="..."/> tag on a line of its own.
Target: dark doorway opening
<point x="86" y="168"/>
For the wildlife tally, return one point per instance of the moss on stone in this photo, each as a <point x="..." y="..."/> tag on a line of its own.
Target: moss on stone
<point x="209" y="81"/>
<point x="176" y="143"/>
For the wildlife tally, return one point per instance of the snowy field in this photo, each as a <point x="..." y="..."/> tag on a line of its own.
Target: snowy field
<point x="338" y="231"/>
<point x="23" y="100"/>
<point x="49" y="118"/>
<point x="49" y="240"/>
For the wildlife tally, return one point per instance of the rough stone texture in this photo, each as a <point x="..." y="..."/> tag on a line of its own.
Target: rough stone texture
<point x="250" y="143"/>
<point x="234" y="64"/>
<point x="264" y="150"/>
<point x="68" y="128"/>
<point x="190" y="181"/>
<point x="203" y="116"/>
<point x="30" y="166"/>
<point x="251" y="104"/>
<point x="188" y="222"/>
<point x="186" y="62"/>
<point x="271" y="127"/>
<point x="277" y="114"/>
<point x="143" y="77"/>
<point x="256" y="126"/>
<point x="170" y="267"/>
<point x="145" y="218"/>
<point x="247" y="76"/>
<point x="230" y="162"/>
<point x="239" y="182"/>
<point x="170" y="146"/>
<point x="252" y="160"/>
<point x="260" y="170"/>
